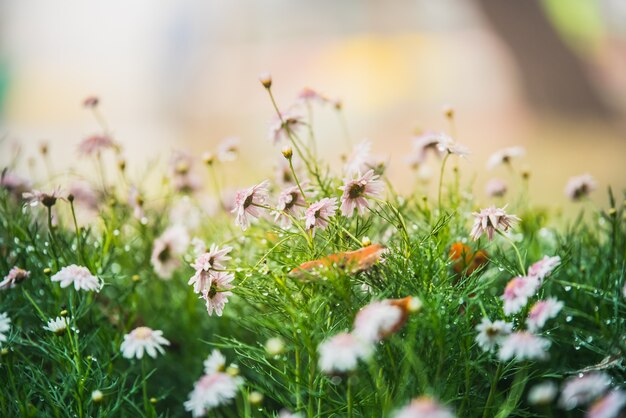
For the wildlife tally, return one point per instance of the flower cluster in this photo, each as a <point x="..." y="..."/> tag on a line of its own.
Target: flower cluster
<point x="372" y="323"/>
<point x="522" y="344"/>
<point x="214" y="388"/>
<point x="210" y="280"/>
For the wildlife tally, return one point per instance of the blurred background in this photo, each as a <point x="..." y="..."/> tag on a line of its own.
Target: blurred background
<point x="548" y="75"/>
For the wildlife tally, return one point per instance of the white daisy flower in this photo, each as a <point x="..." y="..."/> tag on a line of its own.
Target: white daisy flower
<point x="5" y="326"/>
<point x="542" y="394"/>
<point x="491" y="333"/>
<point x="143" y="339"/>
<point x="523" y="345"/>
<point x="79" y="276"/>
<point x="215" y="362"/>
<point x="342" y="352"/>
<point x="210" y="391"/>
<point x="580" y="390"/>
<point x="58" y="325"/>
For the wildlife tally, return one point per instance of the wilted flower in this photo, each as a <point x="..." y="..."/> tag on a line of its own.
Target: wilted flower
<point x="227" y="149"/>
<point x="523" y="345"/>
<point x="495" y="188"/>
<point x="517" y="292"/>
<point x="210" y="391"/>
<point x="247" y="202"/>
<point x="290" y="202"/>
<point x="95" y="144"/>
<point x="356" y="192"/>
<point x="318" y="214"/>
<point x="342" y="352"/>
<point x="542" y="394"/>
<point x="216" y="296"/>
<point x="580" y="187"/>
<point x="580" y="390"/>
<point x="79" y="276"/>
<point x="542" y="311"/>
<point x="424" y="407"/>
<point x="5" y="326"/>
<point x="491" y="333"/>
<point x="609" y="406"/>
<point x="167" y="249"/>
<point x="283" y="127"/>
<point x="490" y="220"/>
<point x="504" y="156"/>
<point x="215" y="362"/>
<point x="542" y="268"/>
<point x="16" y="275"/>
<point x="143" y="339"/>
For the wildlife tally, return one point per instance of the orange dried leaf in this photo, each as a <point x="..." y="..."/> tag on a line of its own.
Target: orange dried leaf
<point x="351" y="261"/>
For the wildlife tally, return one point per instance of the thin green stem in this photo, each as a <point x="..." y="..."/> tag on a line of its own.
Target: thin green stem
<point x="441" y="173"/>
<point x="79" y="242"/>
<point x="517" y="253"/>
<point x="349" y="396"/>
<point x="295" y="177"/>
<point x="492" y="390"/>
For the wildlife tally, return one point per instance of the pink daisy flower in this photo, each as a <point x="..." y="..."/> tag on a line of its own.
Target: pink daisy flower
<point x="491" y="333"/>
<point x="424" y="407"/>
<point x="342" y="353"/>
<point x="361" y="160"/>
<point x="143" y="339"/>
<point x="376" y="320"/>
<point x="290" y="201"/>
<point x="211" y="391"/>
<point x="580" y="187"/>
<point x="517" y="292"/>
<point x="247" y="203"/>
<point x="580" y="390"/>
<point x="490" y="220"/>
<point x="542" y="268"/>
<point x="319" y="213"/>
<point x="95" y="144"/>
<point x="523" y="345"/>
<point x="495" y="188"/>
<point x="79" y="276"/>
<point x="216" y="296"/>
<point x="356" y="192"/>
<point x="205" y="264"/>
<point x="35" y="197"/>
<point x="541" y="311"/>
<point x="167" y="250"/>
<point x="15" y="184"/>
<point x="91" y="101"/>
<point x="609" y="406"/>
<point x="15" y="276"/>
<point x="290" y="123"/>
<point x="308" y="95"/>
<point x="504" y="156"/>
<point x="425" y="142"/>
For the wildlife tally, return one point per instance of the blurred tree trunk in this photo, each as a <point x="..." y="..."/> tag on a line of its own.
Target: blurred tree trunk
<point x="554" y="78"/>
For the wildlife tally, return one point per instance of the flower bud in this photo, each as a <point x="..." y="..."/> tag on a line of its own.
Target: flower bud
<point x="208" y="158"/>
<point x="232" y="370"/>
<point x="275" y="346"/>
<point x="266" y="80"/>
<point x="255" y="398"/>
<point x="287" y="152"/>
<point x="97" y="396"/>
<point x="365" y="241"/>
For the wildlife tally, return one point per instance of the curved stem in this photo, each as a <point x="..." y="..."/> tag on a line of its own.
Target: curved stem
<point x="443" y="166"/>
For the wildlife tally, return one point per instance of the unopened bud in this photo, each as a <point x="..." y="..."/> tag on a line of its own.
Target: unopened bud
<point x="208" y="158"/>
<point x="255" y="398"/>
<point x="266" y="80"/>
<point x="415" y="304"/>
<point x="43" y="148"/>
<point x="136" y="278"/>
<point x="121" y="164"/>
<point x="91" y="101"/>
<point x="366" y="241"/>
<point x="232" y="370"/>
<point x="153" y="401"/>
<point x="70" y="198"/>
<point x="97" y="396"/>
<point x="287" y="152"/>
<point x="448" y="111"/>
<point x="64" y="313"/>
<point x="47" y="271"/>
<point x="274" y="346"/>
